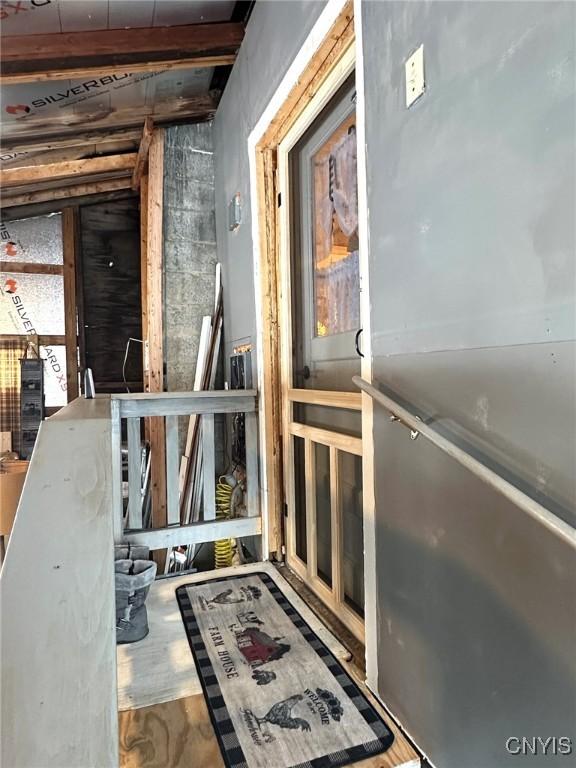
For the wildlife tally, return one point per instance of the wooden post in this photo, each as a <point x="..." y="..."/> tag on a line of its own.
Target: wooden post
<point x="69" y="217"/>
<point x="152" y="328"/>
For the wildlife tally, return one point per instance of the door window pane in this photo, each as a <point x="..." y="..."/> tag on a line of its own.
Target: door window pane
<point x="300" y="499"/>
<point x="353" y="530"/>
<point x="323" y="514"/>
<point x="335" y="236"/>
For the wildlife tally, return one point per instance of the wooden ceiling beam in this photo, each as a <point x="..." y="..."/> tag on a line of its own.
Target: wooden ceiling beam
<point x="66" y="169"/>
<point x="142" y="158"/>
<point x="65" y="193"/>
<point x="40" y="143"/>
<point x="31" y="127"/>
<point x="84" y="55"/>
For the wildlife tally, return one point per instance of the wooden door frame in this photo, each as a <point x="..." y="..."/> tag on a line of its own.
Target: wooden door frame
<point x="338" y="25"/>
<point x="328" y="41"/>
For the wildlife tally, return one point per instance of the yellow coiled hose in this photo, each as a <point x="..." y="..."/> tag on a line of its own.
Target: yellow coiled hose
<point x="223" y="548"/>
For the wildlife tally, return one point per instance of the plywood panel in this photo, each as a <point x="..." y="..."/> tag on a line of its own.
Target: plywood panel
<point x="176" y="734"/>
<point x="57" y="627"/>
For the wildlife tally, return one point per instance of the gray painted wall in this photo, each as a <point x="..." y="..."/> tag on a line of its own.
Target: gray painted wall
<point x="275" y="33"/>
<point x="471" y="222"/>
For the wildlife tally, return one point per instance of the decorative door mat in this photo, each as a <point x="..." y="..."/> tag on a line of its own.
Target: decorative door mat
<point x="277" y="697"/>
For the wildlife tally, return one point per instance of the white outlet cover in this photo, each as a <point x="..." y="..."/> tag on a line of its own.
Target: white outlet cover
<point x="415" y="76"/>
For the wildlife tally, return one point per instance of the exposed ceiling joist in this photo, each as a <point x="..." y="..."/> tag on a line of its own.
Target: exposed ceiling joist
<point x="41" y="143"/>
<point x="68" y="168"/>
<point x="34" y="127"/>
<point x="81" y="55"/>
<point x="142" y="158"/>
<point x="64" y="193"/>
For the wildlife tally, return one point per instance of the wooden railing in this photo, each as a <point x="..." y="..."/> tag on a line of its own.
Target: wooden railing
<point x="57" y="619"/>
<point x="170" y="406"/>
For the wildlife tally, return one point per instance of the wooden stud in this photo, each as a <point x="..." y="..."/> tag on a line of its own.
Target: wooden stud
<point x="94" y="53"/>
<point x="144" y="266"/>
<point x="69" y="216"/>
<point x="271" y="411"/>
<point x="69" y="168"/>
<point x="28" y="268"/>
<point x="143" y="149"/>
<point x="153" y="333"/>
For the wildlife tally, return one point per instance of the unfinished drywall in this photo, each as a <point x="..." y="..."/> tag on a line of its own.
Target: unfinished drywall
<point x="471" y="196"/>
<point x="275" y="33"/>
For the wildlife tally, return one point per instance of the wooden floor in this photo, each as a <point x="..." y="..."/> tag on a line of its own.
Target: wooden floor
<point x="173" y="730"/>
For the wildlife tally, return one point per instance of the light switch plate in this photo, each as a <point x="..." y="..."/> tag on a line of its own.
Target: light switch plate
<point x="415" y="76"/>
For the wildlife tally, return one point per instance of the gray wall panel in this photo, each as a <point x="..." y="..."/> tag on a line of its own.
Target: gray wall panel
<point x="476" y="613"/>
<point x="471" y="222"/>
<point x="275" y="33"/>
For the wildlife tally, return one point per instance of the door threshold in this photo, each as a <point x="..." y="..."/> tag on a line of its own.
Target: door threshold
<point x="344" y="636"/>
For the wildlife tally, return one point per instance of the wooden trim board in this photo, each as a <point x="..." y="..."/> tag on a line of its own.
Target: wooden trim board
<point x="368" y="497"/>
<point x="349" y="400"/>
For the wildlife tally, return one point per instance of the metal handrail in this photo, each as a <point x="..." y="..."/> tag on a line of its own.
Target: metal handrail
<point x="543" y="515"/>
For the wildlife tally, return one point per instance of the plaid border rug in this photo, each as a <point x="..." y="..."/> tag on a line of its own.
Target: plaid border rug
<point x="276" y="695"/>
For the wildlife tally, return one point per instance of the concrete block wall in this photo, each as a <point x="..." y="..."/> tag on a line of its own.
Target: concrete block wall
<point x="189" y="253"/>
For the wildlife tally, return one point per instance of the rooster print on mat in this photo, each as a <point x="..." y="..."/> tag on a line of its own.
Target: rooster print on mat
<point x="322" y="703"/>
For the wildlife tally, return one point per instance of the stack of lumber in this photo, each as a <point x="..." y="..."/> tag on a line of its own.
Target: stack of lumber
<point x="191" y="466"/>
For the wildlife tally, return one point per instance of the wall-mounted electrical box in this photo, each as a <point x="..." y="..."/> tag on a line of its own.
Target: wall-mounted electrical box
<point x="415" y="76"/>
<point x="31" y="403"/>
<point x="241" y="370"/>
<point x="234" y="213"/>
<point x="240" y="378"/>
